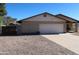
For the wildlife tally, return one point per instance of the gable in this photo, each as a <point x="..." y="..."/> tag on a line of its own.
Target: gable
<point x="66" y="18"/>
<point x="44" y="17"/>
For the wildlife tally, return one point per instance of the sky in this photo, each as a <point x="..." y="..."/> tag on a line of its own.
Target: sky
<point x="24" y="10"/>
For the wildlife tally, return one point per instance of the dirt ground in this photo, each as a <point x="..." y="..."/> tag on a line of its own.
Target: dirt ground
<point x="76" y="33"/>
<point x="31" y="45"/>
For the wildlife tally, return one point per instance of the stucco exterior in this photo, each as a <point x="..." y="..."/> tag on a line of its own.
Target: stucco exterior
<point x="29" y="28"/>
<point x="32" y="24"/>
<point x="47" y="18"/>
<point x="33" y="27"/>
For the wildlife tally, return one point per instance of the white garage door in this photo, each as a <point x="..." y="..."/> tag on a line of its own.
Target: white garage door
<point x="51" y="28"/>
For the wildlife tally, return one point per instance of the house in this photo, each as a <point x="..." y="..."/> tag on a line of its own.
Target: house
<point x="46" y="23"/>
<point x="7" y="25"/>
<point x="8" y="20"/>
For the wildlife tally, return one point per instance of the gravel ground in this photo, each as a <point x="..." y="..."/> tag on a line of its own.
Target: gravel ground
<point x="31" y="45"/>
<point x="76" y="33"/>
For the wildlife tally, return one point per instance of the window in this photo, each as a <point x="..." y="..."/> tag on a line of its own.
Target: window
<point x="45" y="15"/>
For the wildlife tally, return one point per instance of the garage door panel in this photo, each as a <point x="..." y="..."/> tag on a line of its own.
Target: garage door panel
<point x="51" y="28"/>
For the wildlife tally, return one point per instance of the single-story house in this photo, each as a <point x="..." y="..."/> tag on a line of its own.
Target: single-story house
<point x="46" y="23"/>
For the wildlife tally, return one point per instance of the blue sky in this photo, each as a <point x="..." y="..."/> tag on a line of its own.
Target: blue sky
<point x="24" y="10"/>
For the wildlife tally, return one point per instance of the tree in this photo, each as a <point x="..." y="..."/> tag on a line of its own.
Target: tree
<point x="5" y="20"/>
<point x="2" y="12"/>
<point x="2" y="9"/>
<point x="1" y="20"/>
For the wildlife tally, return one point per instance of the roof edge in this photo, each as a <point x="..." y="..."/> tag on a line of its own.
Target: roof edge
<point x="49" y="14"/>
<point x="67" y="17"/>
<point x="35" y="16"/>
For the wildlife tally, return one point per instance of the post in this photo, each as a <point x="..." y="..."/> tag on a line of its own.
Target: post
<point x="76" y="25"/>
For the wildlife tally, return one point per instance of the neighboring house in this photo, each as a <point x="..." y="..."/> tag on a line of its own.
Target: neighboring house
<point x="46" y="23"/>
<point x="8" y="20"/>
<point x="7" y="24"/>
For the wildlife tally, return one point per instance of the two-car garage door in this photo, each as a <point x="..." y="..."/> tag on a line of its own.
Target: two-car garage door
<point x="51" y="28"/>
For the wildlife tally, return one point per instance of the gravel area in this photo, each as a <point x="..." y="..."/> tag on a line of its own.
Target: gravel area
<point x="31" y="45"/>
<point x="76" y="33"/>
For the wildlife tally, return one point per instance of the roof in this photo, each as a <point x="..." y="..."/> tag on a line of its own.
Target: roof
<point x="68" y="18"/>
<point x="35" y="16"/>
<point x="57" y="16"/>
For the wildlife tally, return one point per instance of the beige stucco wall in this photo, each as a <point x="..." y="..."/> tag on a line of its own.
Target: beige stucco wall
<point x="65" y="18"/>
<point x="29" y="28"/>
<point x="32" y="25"/>
<point x="42" y="18"/>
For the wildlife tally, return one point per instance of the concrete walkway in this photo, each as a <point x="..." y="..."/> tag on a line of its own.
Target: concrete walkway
<point x="67" y="40"/>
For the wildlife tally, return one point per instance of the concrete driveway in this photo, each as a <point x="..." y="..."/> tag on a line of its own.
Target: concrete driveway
<point x="67" y="40"/>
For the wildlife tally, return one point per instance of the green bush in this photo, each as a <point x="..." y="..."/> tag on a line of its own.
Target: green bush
<point x="1" y="20"/>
